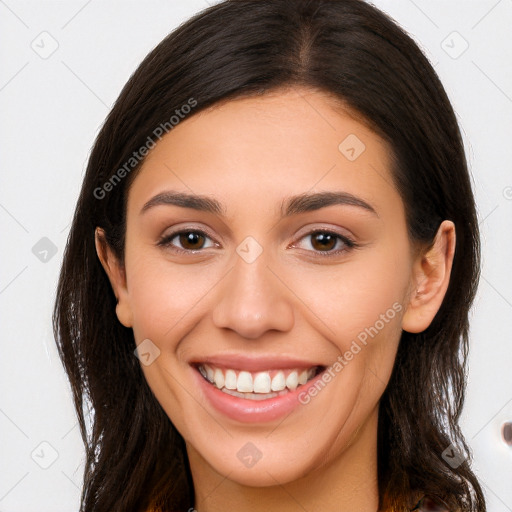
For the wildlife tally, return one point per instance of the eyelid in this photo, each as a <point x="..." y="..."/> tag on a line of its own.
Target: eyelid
<point x="326" y="228"/>
<point x="344" y="234"/>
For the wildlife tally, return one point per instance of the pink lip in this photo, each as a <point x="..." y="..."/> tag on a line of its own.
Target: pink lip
<point x="252" y="411"/>
<point x="255" y="364"/>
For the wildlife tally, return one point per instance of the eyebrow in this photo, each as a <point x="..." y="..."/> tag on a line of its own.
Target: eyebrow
<point x="294" y="205"/>
<point x="185" y="200"/>
<point x="310" y="202"/>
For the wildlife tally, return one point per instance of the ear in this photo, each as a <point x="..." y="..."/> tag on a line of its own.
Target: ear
<point x="117" y="276"/>
<point x="431" y="276"/>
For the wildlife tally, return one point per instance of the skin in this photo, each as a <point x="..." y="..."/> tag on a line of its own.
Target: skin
<point x="293" y="300"/>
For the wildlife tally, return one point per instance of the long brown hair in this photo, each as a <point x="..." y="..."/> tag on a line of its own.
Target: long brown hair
<point x="135" y="458"/>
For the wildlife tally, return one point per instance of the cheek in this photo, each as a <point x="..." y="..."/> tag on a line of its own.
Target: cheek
<point x="347" y="300"/>
<point x="357" y="306"/>
<point x="165" y="296"/>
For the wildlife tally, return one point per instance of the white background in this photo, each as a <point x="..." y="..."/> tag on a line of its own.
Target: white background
<point x="51" y="109"/>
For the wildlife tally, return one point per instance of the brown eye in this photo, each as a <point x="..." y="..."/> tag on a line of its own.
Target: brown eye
<point x="191" y="240"/>
<point x="326" y="243"/>
<point x="187" y="241"/>
<point x="323" y="241"/>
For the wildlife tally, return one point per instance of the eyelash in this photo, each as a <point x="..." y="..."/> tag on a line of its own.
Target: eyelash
<point x="348" y="243"/>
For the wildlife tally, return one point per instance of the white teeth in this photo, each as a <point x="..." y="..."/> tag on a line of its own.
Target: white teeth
<point x="262" y="383"/>
<point x="218" y="377"/>
<point x="278" y="382"/>
<point x="244" y="383"/>
<point x="303" y="377"/>
<point x="209" y="372"/>
<point x="230" y="379"/>
<point x="292" y="381"/>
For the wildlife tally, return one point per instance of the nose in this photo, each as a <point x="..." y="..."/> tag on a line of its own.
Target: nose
<point x="253" y="300"/>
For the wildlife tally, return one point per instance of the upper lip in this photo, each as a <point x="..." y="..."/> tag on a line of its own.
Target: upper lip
<point x="254" y="363"/>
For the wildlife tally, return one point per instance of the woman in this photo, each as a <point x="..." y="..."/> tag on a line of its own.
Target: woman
<point x="264" y="298"/>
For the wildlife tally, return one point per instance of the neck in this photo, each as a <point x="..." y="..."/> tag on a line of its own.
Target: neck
<point x="345" y="483"/>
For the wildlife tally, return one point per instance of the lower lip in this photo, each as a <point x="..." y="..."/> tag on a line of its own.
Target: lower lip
<point x="245" y="410"/>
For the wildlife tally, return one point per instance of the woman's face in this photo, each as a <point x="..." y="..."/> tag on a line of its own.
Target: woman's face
<point x="292" y="299"/>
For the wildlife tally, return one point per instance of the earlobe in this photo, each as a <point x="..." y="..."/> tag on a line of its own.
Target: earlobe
<point x="117" y="276"/>
<point x="430" y="280"/>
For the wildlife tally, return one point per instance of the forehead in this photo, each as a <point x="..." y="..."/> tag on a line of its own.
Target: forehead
<point x="253" y="151"/>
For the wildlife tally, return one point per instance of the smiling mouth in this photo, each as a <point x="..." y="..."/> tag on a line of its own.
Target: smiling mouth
<point x="260" y="385"/>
